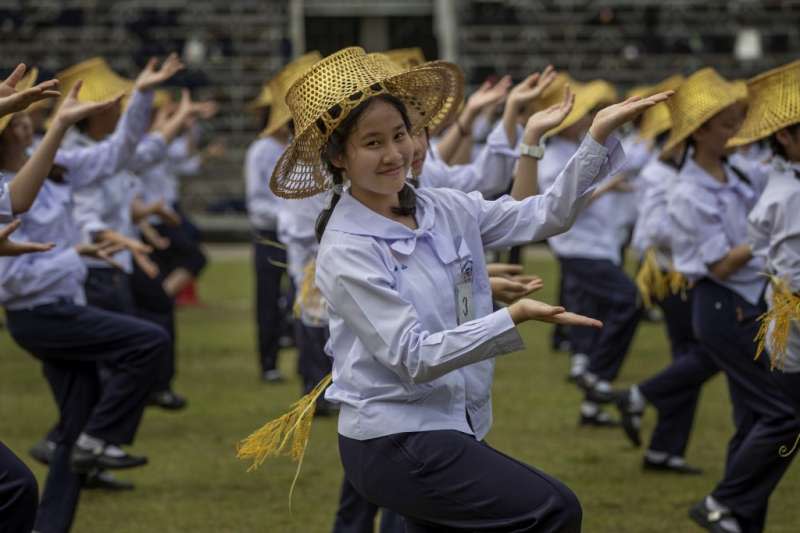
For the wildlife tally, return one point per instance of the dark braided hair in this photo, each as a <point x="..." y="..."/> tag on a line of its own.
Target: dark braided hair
<point x="775" y="145"/>
<point x="335" y="147"/>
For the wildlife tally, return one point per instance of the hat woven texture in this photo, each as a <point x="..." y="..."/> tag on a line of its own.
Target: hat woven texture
<point x="656" y="120"/>
<point x="704" y="94"/>
<point x="100" y="83"/>
<point x="278" y="86"/>
<point x="323" y="97"/>
<point x="774" y="104"/>
<point x="406" y="57"/>
<point x="27" y="81"/>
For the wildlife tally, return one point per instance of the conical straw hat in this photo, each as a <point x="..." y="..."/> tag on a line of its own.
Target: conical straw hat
<point x="325" y="95"/>
<point x="278" y="86"/>
<point x="656" y="120"/>
<point x="264" y="99"/>
<point x="406" y="57"/>
<point x="100" y="83"/>
<point x="588" y="96"/>
<point x="774" y="103"/>
<point x="27" y="81"/>
<point x="704" y="94"/>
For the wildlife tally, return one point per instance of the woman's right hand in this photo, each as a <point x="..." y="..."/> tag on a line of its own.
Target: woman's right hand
<point x="71" y="111"/>
<point x="612" y="117"/>
<point x="528" y="309"/>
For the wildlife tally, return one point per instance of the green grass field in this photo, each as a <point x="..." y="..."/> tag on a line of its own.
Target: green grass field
<point x="194" y="482"/>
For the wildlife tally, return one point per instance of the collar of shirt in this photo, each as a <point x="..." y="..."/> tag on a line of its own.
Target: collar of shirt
<point x="699" y="175"/>
<point x="351" y="216"/>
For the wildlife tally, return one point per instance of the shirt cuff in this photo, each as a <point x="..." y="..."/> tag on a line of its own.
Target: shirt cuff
<point x="497" y="141"/>
<point x="501" y="328"/>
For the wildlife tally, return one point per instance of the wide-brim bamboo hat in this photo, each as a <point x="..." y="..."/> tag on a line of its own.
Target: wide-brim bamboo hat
<point x="324" y="96"/>
<point x="264" y="99"/>
<point x="407" y="58"/>
<point x="588" y="96"/>
<point x="774" y="103"/>
<point x="656" y="120"/>
<point x="100" y="82"/>
<point x="701" y="96"/>
<point x="27" y="81"/>
<point x="278" y="86"/>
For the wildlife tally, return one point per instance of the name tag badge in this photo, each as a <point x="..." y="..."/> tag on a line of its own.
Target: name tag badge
<point x="464" y="311"/>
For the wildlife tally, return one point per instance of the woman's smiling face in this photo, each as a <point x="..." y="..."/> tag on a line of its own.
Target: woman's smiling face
<point x="378" y="152"/>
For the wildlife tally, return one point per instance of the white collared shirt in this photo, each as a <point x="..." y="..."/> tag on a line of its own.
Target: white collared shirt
<point x="490" y="173"/>
<point x="40" y="278"/>
<point x="652" y="229"/>
<point x="597" y="232"/>
<point x="709" y="218"/>
<point x="401" y="361"/>
<point x="262" y="204"/>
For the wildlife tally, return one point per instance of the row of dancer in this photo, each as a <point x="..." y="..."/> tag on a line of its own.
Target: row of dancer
<point x="93" y="302"/>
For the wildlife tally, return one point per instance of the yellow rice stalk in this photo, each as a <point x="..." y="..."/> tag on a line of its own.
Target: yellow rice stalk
<point x="653" y="283"/>
<point x="784" y="309"/>
<point x="286" y="435"/>
<point x="308" y="289"/>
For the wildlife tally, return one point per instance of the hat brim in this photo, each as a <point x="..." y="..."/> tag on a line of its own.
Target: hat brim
<point x="678" y="136"/>
<point x="431" y="93"/>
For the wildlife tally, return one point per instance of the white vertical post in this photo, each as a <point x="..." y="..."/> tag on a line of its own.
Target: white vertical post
<point x="297" y="27"/>
<point x="445" y="20"/>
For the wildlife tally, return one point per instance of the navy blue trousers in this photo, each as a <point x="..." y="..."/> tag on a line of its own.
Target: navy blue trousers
<point x="19" y="494"/>
<point x="764" y="418"/>
<point x="109" y="289"/>
<point x="448" y="481"/>
<point x="71" y="341"/>
<point x="271" y="312"/>
<point x="675" y="390"/>
<point x="183" y="251"/>
<point x="151" y="303"/>
<point x="600" y="289"/>
<point x="357" y="515"/>
<point x="313" y="363"/>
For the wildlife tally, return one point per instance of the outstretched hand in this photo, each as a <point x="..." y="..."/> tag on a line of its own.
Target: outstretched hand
<point x="488" y="95"/>
<point x="529" y="89"/>
<point x="12" y="248"/>
<point x="528" y="309"/>
<point x="543" y="121"/>
<point x="12" y="100"/>
<point x="612" y="117"/>
<point x="511" y="289"/>
<point x="151" y="76"/>
<point x="73" y="111"/>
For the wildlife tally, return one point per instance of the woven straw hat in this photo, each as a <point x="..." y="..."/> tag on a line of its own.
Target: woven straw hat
<point x="278" y="86"/>
<point x="587" y="97"/>
<point x="264" y="99"/>
<point x="406" y="57"/>
<point x="325" y="95"/>
<point x="27" y="81"/>
<point x="704" y="94"/>
<point x="656" y="120"/>
<point x="100" y="83"/>
<point x="774" y="104"/>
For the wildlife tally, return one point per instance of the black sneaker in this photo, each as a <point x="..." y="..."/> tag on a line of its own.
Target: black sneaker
<point x="84" y="460"/>
<point x="105" y="480"/>
<point x="671" y="465"/>
<point x="167" y="400"/>
<point x="43" y="451"/>
<point x="708" y="519"/>
<point x="631" y="418"/>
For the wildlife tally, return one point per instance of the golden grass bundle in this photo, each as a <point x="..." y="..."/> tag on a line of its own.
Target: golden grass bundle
<point x="654" y="284"/>
<point x="775" y="328"/>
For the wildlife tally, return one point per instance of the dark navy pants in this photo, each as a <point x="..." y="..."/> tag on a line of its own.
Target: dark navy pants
<point x="271" y="314"/>
<point x="600" y="289"/>
<point x="19" y="494"/>
<point x="357" y="515"/>
<point x="448" y="481"/>
<point x="313" y="363"/>
<point x="71" y="341"/>
<point x="675" y="390"/>
<point x="109" y="289"/>
<point x="764" y="418"/>
<point x="184" y="250"/>
<point x="151" y="303"/>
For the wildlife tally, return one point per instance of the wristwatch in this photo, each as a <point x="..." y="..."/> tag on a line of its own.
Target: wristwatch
<point x="536" y="152"/>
